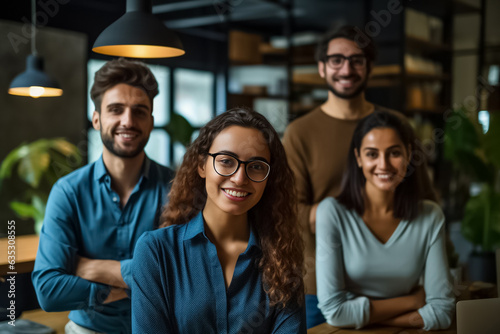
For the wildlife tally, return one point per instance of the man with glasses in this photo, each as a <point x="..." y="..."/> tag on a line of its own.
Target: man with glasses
<point x="317" y="143"/>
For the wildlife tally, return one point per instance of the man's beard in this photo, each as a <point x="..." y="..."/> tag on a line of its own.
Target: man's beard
<point x="109" y="143"/>
<point x="354" y="94"/>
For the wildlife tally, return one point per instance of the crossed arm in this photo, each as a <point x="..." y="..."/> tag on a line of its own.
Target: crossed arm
<point x="429" y="309"/>
<point x="106" y="272"/>
<point x="61" y="281"/>
<point x="400" y="311"/>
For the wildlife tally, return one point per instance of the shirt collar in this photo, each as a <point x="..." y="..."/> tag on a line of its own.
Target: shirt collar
<point x="100" y="170"/>
<point x="196" y="228"/>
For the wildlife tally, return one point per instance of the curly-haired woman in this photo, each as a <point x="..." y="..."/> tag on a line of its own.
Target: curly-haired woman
<point x="229" y="259"/>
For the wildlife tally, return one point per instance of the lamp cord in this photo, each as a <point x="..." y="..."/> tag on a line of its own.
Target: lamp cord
<point x="33" y="27"/>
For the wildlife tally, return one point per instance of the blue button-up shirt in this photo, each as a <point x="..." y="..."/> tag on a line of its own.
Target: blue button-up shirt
<point x="178" y="287"/>
<point x="84" y="218"/>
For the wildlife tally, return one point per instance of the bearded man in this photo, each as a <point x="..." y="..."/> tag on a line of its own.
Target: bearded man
<point x="317" y="143"/>
<point x="95" y="215"/>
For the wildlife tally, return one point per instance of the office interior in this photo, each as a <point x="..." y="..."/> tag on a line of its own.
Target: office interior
<point x="434" y="57"/>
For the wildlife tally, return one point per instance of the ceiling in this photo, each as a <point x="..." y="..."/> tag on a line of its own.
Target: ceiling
<point x="202" y="17"/>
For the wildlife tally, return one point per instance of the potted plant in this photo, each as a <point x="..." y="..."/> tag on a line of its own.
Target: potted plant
<point x="477" y="154"/>
<point x="179" y="129"/>
<point x="28" y="172"/>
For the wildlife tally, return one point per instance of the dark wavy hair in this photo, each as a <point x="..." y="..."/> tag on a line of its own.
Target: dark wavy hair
<point x="351" y="33"/>
<point x="121" y="70"/>
<point x="408" y="193"/>
<point x="274" y="217"/>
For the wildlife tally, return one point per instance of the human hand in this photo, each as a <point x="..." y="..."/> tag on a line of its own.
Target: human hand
<point x="116" y="294"/>
<point x="101" y="271"/>
<point x="85" y="268"/>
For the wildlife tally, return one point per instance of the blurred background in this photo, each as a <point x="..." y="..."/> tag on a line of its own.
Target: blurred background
<point x="438" y="63"/>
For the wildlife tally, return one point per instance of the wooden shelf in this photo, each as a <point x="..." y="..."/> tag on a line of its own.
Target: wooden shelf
<point x="386" y="70"/>
<point x="415" y="44"/>
<point x="392" y="71"/>
<point x="269" y="55"/>
<point x="381" y="76"/>
<point x="309" y="79"/>
<point x="268" y="49"/>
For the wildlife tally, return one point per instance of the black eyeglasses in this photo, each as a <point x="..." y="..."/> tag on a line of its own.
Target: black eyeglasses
<point x="336" y="61"/>
<point x="227" y="165"/>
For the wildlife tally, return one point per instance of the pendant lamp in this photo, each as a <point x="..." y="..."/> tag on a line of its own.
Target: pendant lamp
<point x="33" y="81"/>
<point x="138" y="34"/>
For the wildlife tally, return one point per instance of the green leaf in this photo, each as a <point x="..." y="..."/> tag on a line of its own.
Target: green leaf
<point x="50" y="158"/>
<point x="12" y="159"/>
<point x="461" y="135"/>
<point x="32" y="167"/>
<point x="179" y="129"/>
<point x="492" y="140"/>
<point x="63" y="146"/>
<point x="23" y="210"/>
<point x="472" y="164"/>
<point x="38" y="165"/>
<point x="481" y="223"/>
<point x="39" y="206"/>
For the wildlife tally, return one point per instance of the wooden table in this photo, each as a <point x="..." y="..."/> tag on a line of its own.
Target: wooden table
<point x="327" y="329"/>
<point x="54" y="320"/>
<point x="26" y="248"/>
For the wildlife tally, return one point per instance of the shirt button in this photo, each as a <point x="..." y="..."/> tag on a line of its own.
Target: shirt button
<point x="115" y="199"/>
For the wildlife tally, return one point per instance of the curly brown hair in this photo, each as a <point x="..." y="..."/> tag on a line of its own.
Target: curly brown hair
<point x="273" y="218"/>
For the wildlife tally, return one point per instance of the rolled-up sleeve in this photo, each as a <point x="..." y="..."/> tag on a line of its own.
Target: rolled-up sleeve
<point x="126" y="271"/>
<point x="338" y="306"/>
<point x="439" y="309"/>
<point x="53" y="277"/>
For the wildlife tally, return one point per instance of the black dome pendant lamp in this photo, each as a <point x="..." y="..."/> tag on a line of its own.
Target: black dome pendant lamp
<point x="138" y="34"/>
<point x="34" y="82"/>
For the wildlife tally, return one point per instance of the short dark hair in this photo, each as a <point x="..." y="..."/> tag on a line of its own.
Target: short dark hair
<point x="349" y="32"/>
<point x="408" y="194"/>
<point x="121" y="70"/>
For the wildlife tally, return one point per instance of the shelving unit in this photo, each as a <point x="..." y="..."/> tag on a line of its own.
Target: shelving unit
<point x="414" y="72"/>
<point x="424" y="92"/>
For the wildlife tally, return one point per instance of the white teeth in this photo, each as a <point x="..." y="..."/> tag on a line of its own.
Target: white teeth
<point x="126" y="135"/>
<point x="384" y="176"/>
<point x="235" y="193"/>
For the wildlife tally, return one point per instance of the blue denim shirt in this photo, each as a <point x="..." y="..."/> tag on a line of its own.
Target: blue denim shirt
<point x="84" y="218"/>
<point x="178" y="287"/>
